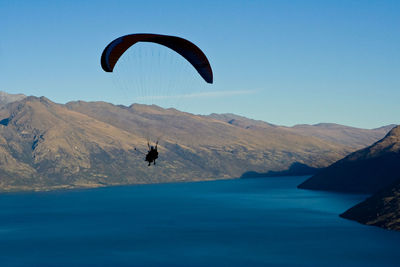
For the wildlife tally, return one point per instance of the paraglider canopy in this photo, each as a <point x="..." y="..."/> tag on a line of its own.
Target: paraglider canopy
<point x="185" y="48"/>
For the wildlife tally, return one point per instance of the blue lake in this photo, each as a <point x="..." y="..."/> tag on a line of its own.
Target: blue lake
<point x="243" y="222"/>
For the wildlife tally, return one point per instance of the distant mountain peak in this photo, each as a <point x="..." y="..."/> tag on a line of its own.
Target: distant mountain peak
<point x="240" y="121"/>
<point x="6" y="98"/>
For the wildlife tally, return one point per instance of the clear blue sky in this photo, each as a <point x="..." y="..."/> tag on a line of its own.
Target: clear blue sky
<point x="284" y="62"/>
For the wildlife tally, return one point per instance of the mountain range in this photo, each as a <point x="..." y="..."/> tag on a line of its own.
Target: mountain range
<point x="353" y="137"/>
<point x="45" y="145"/>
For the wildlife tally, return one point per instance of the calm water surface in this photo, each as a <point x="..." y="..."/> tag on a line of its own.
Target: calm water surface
<point x="248" y="222"/>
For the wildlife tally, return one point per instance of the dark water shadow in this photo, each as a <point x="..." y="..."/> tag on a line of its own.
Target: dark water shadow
<point x="296" y="169"/>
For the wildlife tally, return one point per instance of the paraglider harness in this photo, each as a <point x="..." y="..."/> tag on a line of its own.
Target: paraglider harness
<point x="152" y="154"/>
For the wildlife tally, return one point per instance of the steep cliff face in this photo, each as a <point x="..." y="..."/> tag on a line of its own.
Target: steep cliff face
<point x="364" y="171"/>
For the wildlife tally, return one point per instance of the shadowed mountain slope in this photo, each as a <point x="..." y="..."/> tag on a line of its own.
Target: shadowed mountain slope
<point x="365" y="171"/>
<point x="381" y="209"/>
<point x="44" y="145"/>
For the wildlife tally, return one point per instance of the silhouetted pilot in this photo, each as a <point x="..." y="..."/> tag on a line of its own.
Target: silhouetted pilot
<point x="152" y="155"/>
